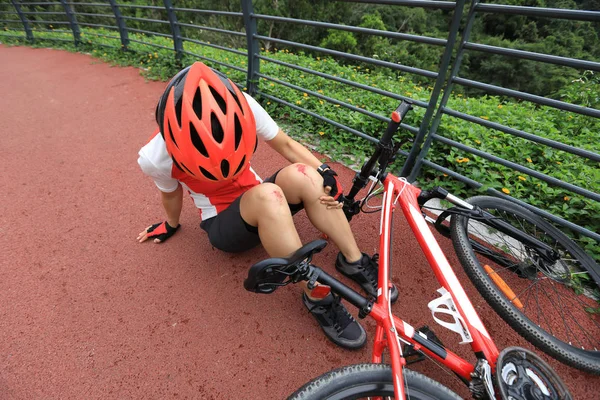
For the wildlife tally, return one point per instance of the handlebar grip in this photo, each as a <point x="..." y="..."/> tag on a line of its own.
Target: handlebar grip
<point x="397" y="117"/>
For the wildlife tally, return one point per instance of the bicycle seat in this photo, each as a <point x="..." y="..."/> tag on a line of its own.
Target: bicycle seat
<point x="267" y="275"/>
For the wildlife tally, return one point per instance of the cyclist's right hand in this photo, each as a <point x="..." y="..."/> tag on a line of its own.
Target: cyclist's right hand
<point x="160" y="232"/>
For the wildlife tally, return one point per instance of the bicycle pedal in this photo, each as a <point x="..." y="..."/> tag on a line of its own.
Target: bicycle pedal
<point x="411" y="355"/>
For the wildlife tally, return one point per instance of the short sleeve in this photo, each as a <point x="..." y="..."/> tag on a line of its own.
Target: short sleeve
<point x="156" y="163"/>
<point x="266" y="127"/>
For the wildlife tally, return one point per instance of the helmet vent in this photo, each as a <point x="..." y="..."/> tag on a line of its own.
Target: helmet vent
<point x="216" y="128"/>
<point x="187" y="169"/>
<point x="178" y="110"/>
<point x="225" y="168"/>
<point x="197" y="141"/>
<point x="235" y="97"/>
<point x="239" y="168"/>
<point x="171" y="134"/>
<point x="207" y="174"/>
<point x="238" y="131"/>
<point x="220" y="100"/>
<point x="177" y="164"/>
<point x="197" y="103"/>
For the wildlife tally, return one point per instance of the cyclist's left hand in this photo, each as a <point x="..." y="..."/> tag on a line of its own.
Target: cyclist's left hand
<point x="330" y="202"/>
<point x="331" y="184"/>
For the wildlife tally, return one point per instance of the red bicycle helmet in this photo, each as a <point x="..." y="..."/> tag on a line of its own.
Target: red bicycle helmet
<point x="207" y="124"/>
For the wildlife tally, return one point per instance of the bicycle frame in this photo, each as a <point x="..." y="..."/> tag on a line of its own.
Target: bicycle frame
<point x="397" y="191"/>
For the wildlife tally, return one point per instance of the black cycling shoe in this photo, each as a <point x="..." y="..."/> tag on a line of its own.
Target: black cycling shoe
<point x="364" y="272"/>
<point x="337" y="323"/>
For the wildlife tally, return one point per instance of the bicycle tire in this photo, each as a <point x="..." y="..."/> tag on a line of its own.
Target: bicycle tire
<point x="366" y="380"/>
<point x="567" y="350"/>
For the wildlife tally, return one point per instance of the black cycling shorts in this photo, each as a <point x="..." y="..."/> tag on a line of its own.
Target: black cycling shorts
<point x="229" y="232"/>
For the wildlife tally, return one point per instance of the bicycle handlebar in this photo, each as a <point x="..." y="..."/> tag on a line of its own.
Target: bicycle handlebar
<point x="383" y="153"/>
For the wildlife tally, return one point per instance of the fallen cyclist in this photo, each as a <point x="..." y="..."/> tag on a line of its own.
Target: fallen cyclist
<point x="208" y="133"/>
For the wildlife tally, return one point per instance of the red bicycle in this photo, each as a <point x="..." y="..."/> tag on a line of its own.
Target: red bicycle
<point x="514" y="373"/>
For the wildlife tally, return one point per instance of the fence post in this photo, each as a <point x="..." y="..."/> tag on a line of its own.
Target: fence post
<point x="26" y="27"/>
<point x="253" y="47"/>
<point x="409" y="167"/>
<point x="177" y="43"/>
<point x="72" y="22"/>
<point x="120" y="24"/>
<point x="447" y="91"/>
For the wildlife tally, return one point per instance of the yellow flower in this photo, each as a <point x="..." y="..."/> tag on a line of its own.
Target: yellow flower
<point x="484" y="117"/>
<point x="104" y="54"/>
<point x="462" y="160"/>
<point x="566" y="198"/>
<point x="505" y="190"/>
<point x="305" y="95"/>
<point x="357" y="67"/>
<point x="299" y="102"/>
<point x="558" y="162"/>
<point x="301" y="76"/>
<point x="408" y="93"/>
<point x="149" y="68"/>
<point x="320" y="91"/>
<point x="499" y="105"/>
<point x="155" y="54"/>
<point x="529" y="160"/>
<point x="319" y="58"/>
<point x="459" y="95"/>
<point x="445" y="174"/>
<point x="321" y="101"/>
<point x="321" y="133"/>
<point x="272" y="84"/>
<point x="478" y="141"/>
<point x="268" y="102"/>
<point x="349" y="100"/>
<point x="337" y="105"/>
<point x="522" y="178"/>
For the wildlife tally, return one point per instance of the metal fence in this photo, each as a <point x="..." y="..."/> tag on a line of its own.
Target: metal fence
<point x="121" y="18"/>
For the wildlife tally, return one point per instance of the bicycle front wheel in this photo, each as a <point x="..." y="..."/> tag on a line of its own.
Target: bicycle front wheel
<point x="362" y="381"/>
<point x="553" y="304"/>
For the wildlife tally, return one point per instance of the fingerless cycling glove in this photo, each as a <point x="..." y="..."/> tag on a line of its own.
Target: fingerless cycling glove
<point x="330" y="179"/>
<point x="161" y="231"/>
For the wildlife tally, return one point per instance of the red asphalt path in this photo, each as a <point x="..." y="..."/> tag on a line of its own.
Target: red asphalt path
<point x="88" y="313"/>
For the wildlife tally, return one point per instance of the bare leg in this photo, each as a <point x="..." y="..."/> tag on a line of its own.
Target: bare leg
<point x="266" y="207"/>
<point x="301" y="183"/>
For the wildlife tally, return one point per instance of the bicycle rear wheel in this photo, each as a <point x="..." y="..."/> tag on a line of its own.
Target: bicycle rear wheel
<point x="551" y="304"/>
<point x="362" y="381"/>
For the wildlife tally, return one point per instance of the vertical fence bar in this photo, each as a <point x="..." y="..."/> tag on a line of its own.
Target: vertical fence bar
<point x="26" y="27"/>
<point x="253" y="47"/>
<point x="177" y="43"/>
<point x="409" y="165"/>
<point x="447" y="91"/>
<point x="72" y="22"/>
<point x="120" y="24"/>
